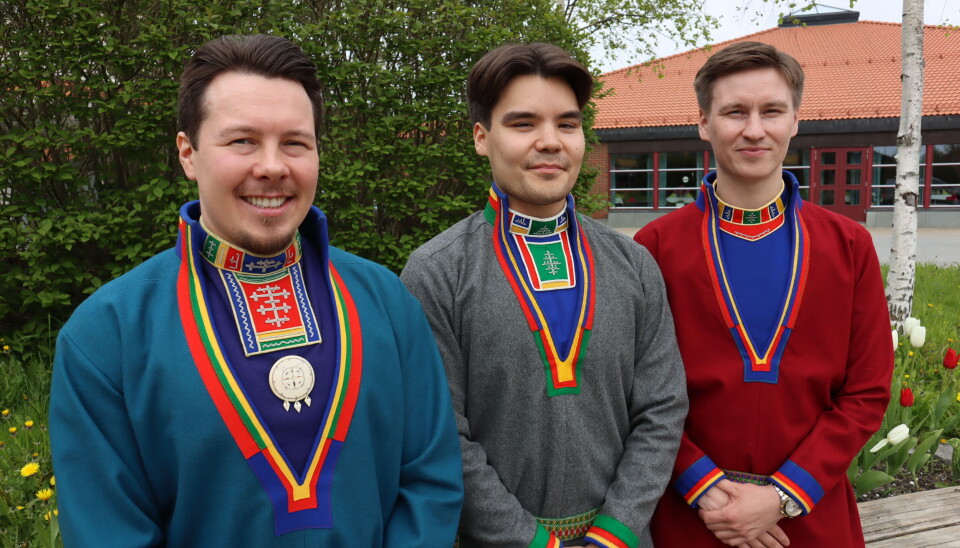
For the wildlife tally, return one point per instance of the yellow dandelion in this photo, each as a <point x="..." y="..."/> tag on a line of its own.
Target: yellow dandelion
<point x="29" y="469"/>
<point x="929" y="305"/>
<point x="19" y="507"/>
<point x="56" y="512"/>
<point x="45" y="494"/>
<point x="6" y="348"/>
<point x="5" y="412"/>
<point x="53" y="480"/>
<point x="910" y="353"/>
<point x="12" y="429"/>
<point x="35" y="455"/>
<point x="46" y="516"/>
<point x="943" y="440"/>
<point x="28" y="424"/>
<point x="906" y="376"/>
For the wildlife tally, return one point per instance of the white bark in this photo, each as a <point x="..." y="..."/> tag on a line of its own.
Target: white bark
<point x="903" y="252"/>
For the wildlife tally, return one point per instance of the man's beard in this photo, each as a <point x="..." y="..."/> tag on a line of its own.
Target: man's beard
<point x="272" y="244"/>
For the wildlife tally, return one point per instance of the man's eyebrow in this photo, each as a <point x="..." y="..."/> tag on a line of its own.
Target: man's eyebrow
<point x="515" y="115"/>
<point x="253" y="130"/>
<point x="231" y="130"/>
<point x="741" y="105"/>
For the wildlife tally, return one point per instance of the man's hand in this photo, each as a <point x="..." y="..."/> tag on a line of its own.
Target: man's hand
<point x="774" y="538"/>
<point x="714" y="499"/>
<point x="750" y="515"/>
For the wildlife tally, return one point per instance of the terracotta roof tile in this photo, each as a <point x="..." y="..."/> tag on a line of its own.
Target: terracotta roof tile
<point x="852" y="71"/>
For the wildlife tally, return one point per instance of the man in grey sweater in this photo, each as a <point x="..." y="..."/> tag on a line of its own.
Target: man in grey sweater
<point x="555" y="330"/>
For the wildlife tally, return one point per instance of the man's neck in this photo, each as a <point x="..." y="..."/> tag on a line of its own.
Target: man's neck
<point x="537" y="211"/>
<point x="747" y="194"/>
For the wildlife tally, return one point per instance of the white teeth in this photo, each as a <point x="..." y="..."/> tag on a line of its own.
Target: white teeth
<point x="265" y="202"/>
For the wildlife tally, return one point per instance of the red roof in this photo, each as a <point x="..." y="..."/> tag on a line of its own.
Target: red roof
<point x="852" y="71"/>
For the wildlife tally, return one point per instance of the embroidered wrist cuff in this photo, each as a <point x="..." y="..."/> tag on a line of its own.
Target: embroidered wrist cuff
<point x="570" y="527"/>
<point x="799" y="484"/>
<point x="544" y="539"/>
<point x="610" y="533"/>
<point x="695" y="481"/>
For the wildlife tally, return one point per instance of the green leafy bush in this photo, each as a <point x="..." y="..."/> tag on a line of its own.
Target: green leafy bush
<point x="89" y="178"/>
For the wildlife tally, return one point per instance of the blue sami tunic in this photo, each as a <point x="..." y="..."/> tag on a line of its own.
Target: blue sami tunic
<point x="162" y="434"/>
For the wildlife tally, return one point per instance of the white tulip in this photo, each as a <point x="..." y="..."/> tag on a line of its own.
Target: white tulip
<point x="896" y="339"/>
<point x="909" y="324"/>
<point x="918" y="336"/>
<point x="895" y="436"/>
<point x="898" y="434"/>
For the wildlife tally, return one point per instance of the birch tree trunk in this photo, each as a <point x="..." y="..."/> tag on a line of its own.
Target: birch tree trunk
<point x="903" y="251"/>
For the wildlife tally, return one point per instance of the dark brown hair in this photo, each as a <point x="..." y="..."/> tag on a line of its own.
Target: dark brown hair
<point x="496" y="69"/>
<point x="267" y="56"/>
<point x="747" y="56"/>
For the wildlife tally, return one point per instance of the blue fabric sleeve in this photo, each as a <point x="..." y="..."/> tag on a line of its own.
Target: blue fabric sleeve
<point x="431" y="477"/>
<point x="102" y="490"/>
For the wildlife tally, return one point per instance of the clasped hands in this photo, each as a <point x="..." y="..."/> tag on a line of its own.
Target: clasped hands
<point x="743" y="515"/>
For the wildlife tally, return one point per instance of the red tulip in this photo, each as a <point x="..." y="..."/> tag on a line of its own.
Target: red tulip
<point x="906" y="397"/>
<point x="950" y="359"/>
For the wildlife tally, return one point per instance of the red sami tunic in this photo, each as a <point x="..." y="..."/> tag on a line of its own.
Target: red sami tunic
<point x="831" y="388"/>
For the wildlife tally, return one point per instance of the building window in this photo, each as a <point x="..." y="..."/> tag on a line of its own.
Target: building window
<point x="884" y="175"/>
<point x="631" y="180"/>
<point x="679" y="178"/>
<point x="797" y="162"/>
<point x="945" y="182"/>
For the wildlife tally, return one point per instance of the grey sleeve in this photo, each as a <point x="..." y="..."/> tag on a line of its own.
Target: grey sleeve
<point x="492" y="516"/>
<point x="658" y="407"/>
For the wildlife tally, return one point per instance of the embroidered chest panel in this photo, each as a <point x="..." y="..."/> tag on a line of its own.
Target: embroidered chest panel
<point x="299" y="500"/>
<point x="760" y="364"/>
<point x="563" y="260"/>
<point x="271" y="311"/>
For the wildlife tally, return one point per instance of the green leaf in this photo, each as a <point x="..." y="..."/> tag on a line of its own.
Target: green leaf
<point x="921" y="455"/>
<point x="870" y="480"/>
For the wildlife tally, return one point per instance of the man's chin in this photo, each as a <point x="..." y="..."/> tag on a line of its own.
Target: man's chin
<point x="266" y="245"/>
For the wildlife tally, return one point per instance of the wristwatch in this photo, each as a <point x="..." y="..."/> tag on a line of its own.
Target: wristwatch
<point x="788" y="507"/>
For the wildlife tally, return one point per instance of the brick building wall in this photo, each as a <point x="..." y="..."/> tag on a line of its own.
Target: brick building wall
<point x="599" y="159"/>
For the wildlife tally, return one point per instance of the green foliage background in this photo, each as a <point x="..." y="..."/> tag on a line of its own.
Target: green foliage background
<point x="89" y="179"/>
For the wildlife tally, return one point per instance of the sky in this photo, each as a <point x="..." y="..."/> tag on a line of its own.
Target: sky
<point x="741" y="17"/>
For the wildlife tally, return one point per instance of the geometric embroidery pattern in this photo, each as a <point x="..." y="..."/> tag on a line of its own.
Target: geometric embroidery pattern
<point x="271" y="311"/>
<point x="751" y="224"/>
<point x="548" y="261"/>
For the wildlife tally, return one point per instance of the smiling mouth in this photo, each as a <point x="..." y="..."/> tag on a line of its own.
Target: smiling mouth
<point x="266" y="203"/>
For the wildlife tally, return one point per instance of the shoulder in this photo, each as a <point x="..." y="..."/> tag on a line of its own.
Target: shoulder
<point x="366" y="279"/>
<point x="125" y="303"/>
<point x="673" y="224"/>
<point x="616" y="253"/>
<point x="454" y="240"/>
<point x="156" y="274"/>
<point x="831" y="227"/>
<point x="348" y="263"/>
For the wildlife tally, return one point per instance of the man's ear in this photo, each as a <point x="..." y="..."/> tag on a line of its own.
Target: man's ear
<point x="480" y="138"/>
<point x="186" y="155"/>
<point x="702" y="125"/>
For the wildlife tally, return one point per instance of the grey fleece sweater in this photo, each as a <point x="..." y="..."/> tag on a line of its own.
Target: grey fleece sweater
<point x="526" y="454"/>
